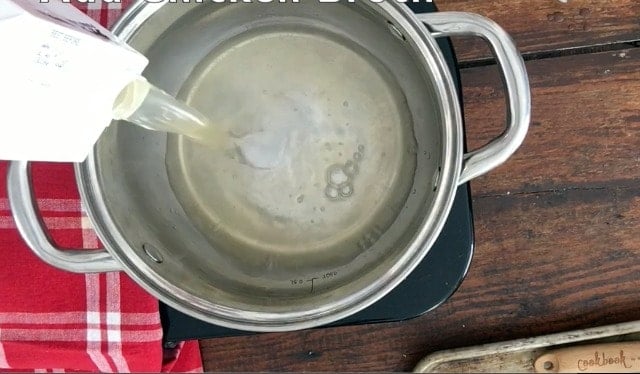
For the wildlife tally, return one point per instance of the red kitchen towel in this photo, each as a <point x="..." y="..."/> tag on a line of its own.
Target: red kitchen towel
<point x="55" y="321"/>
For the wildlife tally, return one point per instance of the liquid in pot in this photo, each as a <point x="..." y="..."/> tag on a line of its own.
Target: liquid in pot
<point x="325" y="156"/>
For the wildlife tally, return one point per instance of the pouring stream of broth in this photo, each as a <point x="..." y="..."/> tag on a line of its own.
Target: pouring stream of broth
<point x="147" y="106"/>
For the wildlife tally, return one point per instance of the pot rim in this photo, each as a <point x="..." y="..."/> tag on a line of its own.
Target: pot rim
<point x="422" y="241"/>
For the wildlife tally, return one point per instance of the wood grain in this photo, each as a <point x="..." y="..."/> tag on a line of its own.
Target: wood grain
<point x="585" y="123"/>
<point x="556" y="232"/>
<point x="540" y="26"/>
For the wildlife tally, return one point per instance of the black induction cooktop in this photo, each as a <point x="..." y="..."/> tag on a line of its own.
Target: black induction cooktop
<point x="429" y="285"/>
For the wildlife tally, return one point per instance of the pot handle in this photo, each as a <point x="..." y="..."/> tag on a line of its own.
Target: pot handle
<point x="514" y="77"/>
<point x="31" y="226"/>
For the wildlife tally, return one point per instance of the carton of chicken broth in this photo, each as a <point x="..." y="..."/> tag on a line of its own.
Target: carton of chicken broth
<point x="60" y="72"/>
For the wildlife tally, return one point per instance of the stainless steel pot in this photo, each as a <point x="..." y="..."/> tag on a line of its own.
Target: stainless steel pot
<point x="374" y="143"/>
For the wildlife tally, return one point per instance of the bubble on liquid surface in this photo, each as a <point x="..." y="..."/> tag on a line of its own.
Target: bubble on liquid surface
<point x="350" y="168"/>
<point x="331" y="192"/>
<point x="346" y="190"/>
<point x="340" y="177"/>
<point x="336" y="176"/>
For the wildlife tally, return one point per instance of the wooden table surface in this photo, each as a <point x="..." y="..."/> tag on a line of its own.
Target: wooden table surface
<point x="557" y="226"/>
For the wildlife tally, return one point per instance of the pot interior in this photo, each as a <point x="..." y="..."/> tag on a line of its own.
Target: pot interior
<point x="349" y="148"/>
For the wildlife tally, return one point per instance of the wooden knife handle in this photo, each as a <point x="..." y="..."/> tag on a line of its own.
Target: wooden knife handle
<point x="623" y="357"/>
